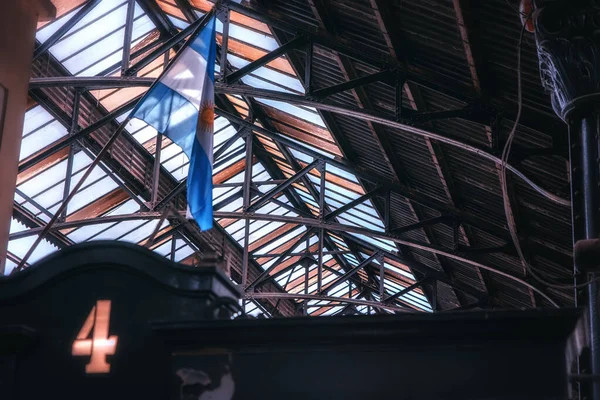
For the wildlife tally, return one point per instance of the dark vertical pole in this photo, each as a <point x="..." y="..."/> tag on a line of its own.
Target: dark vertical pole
<point x="166" y="59"/>
<point x="577" y="279"/>
<point x="173" y="246"/>
<point x="156" y="171"/>
<point x="322" y="171"/>
<point x="225" y="44"/>
<point x="308" y="66"/>
<point x="246" y="194"/>
<point x="127" y="36"/>
<point x="575" y="99"/>
<point x="399" y="90"/>
<point x="587" y="129"/>
<point x="306" y="271"/>
<point x="386" y="216"/>
<point x="71" y="156"/>
<point x="456" y="232"/>
<point x="434" y="296"/>
<point x="381" y="277"/>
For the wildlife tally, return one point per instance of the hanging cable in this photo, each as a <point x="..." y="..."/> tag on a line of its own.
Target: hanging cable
<point x="506" y="200"/>
<point x="515" y="9"/>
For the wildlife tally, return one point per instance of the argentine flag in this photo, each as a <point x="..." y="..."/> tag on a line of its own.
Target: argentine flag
<point x="180" y="105"/>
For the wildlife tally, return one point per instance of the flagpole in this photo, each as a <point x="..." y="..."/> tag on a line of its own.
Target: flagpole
<point x="105" y="149"/>
<point x="74" y="191"/>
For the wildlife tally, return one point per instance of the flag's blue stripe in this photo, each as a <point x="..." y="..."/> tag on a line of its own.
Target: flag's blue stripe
<point x="205" y="44"/>
<point x="199" y="187"/>
<point x="176" y="117"/>
<point x="163" y="108"/>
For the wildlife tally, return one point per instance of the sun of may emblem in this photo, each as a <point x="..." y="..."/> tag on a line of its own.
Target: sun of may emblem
<point x="207" y="116"/>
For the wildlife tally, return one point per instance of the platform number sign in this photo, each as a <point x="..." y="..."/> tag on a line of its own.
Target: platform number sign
<point x="93" y="340"/>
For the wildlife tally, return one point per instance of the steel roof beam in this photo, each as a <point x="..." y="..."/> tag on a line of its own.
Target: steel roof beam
<point x="282" y="186"/>
<point x="48" y="151"/>
<point x="352" y="84"/>
<point x="344" y="230"/>
<point x="213" y="236"/>
<point x="56" y="36"/>
<point x="348" y="274"/>
<point x="539" y="121"/>
<point x="353" y="203"/>
<point x="270" y="56"/>
<point x="264" y="295"/>
<point x="187" y="10"/>
<point x="263" y="276"/>
<point x="406" y="290"/>
<point x="157" y="215"/>
<point x="158" y="17"/>
<point x="444" y="219"/>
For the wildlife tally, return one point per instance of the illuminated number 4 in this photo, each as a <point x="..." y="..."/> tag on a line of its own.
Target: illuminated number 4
<point x="97" y="344"/>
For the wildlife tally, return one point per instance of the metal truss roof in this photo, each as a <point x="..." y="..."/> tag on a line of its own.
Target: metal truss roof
<point x="348" y="176"/>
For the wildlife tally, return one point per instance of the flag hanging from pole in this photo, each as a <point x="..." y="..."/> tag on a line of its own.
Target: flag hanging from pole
<point x="180" y="105"/>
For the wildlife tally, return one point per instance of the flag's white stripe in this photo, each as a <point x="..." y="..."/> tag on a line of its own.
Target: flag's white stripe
<point x="187" y="76"/>
<point x="205" y="138"/>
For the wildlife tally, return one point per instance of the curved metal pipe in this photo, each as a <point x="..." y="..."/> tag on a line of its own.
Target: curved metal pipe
<point x="296" y="220"/>
<point x="383" y="120"/>
<point x="358" y="113"/>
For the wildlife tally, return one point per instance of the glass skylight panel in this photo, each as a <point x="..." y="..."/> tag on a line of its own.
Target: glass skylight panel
<point x="296" y="111"/>
<point x="19" y="247"/>
<point x="108" y="51"/>
<point x="332" y="311"/>
<point x="180" y="172"/>
<point x="34" y="119"/>
<point x="263" y="84"/>
<point x="231" y="161"/>
<point x="362" y="220"/>
<point x="256" y="226"/>
<point x="233" y="206"/>
<point x="85" y="232"/>
<point x="250" y="308"/>
<point x="236" y="228"/>
<point x="103" y="19"/>
<point x="48" y="30"/>
<point x="9" y="266"/>
<point x="235" y="147"/>
<point x="220" y="193"/>
<point x="143" y="232"/>
<point x="141" y="28"/>
<point x="304" y="157"/>
<point x="383" y="244"/>
<point x="164" y="249"/>
<point x="268" y="208"/>
<point x="129" y="207"/>
<point x="294" y="234"/>
<point x="222" y="134"/>
<point x="46" y="135"/>
<point x="399" y="271"/>
<point x="104" y="7"/>
<point x="142" y="133"/>
<point x="351" y="259"/>
<point x="265" y="230"/>
<point x="177" y="22"/>
<point x="183" y="253"/>
<point x="44" y="180"/>
<point x="118" y="230"/>
<point x="257" y="39"/>
<point x="278" y="80"/>
<point x="91" y="193"/>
